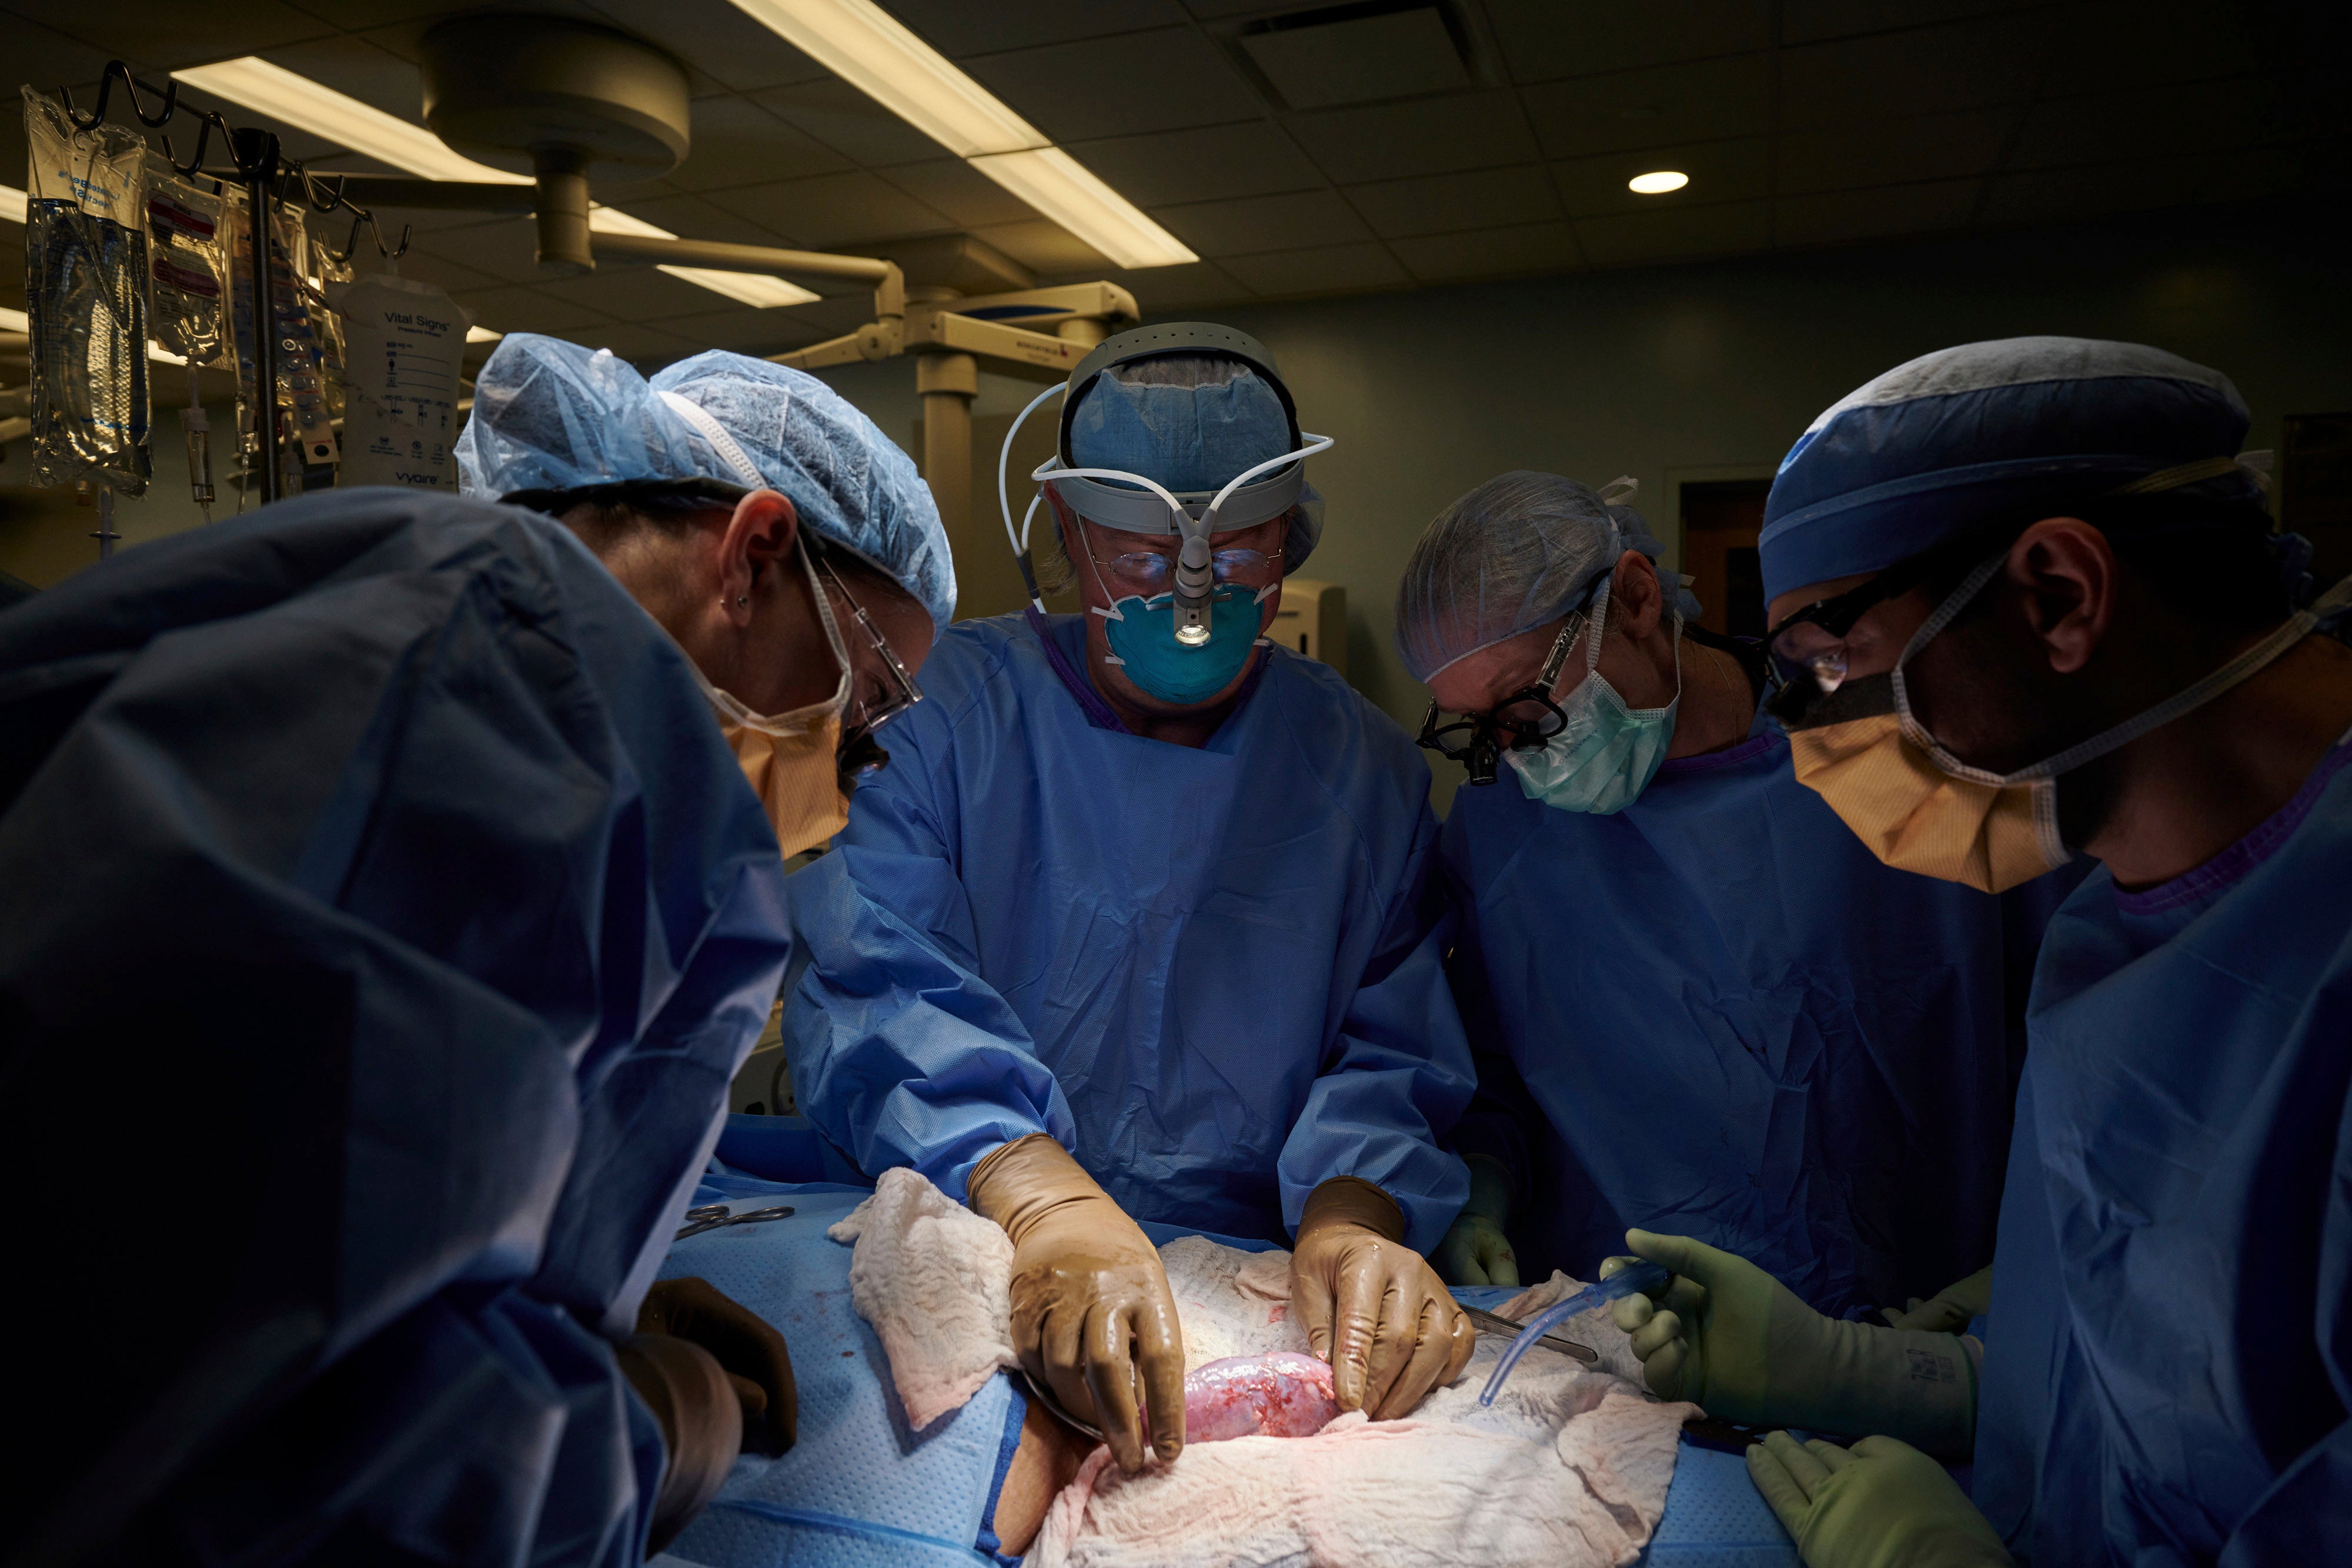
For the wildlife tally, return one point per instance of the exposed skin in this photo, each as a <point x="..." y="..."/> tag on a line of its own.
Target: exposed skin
<point x="1179" y="724"/>
<point x="1046" y="1459"/>
<point x="2066" y="641"/>
<point x="1637" y="657"/>
<point x="733" y="595"/>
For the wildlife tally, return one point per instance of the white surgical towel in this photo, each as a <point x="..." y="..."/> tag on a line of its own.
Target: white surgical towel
<point x="935" y="1280"/>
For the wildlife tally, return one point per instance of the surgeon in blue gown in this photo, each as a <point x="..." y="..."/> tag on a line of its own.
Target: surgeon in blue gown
<point x="2029" y="605"/>
<point x="1700" y="1005"/>
<point x="1162" y="940"/>
<point x="382" y="915"/>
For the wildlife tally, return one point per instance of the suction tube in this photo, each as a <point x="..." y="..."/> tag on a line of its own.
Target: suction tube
<point x="1637" y="1279"/>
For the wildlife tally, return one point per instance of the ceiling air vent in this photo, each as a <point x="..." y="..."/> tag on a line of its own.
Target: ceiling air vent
<point x="1358" y="54"/>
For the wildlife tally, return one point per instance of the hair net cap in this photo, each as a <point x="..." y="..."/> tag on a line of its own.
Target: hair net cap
<point x="1519" y="551"/>
<point x="1963" y="435"/>
<point x="1192" y="439"/>
<point x="550" y="414"/>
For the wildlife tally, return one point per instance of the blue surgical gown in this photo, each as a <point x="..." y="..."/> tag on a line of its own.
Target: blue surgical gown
<point x="382" y="918"/>
<point x="1212" y="973"/>
<point x="2169" y="1363"/>
<point x="1714" y="1014"/>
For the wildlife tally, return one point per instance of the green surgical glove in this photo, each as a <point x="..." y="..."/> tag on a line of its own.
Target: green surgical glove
<point x="1949" y="1310"/>
<point x="1879" y="1504"/>
<point x="1475" y="1251"/>
<point x="1742" y="1346"/>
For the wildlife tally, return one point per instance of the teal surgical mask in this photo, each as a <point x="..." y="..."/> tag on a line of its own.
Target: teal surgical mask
<point x="1145" y="649"/>
<point x="1606" y="754"/>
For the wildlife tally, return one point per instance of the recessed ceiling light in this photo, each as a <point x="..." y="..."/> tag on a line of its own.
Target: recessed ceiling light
<point x="873" y="51"/>
<point x="1657" y="183"/>
<point x="319" y="110"/>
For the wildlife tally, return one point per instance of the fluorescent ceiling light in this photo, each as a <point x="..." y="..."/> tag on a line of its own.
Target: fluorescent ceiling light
<point x="482" y="335"/>
<point x="1065" y="191"/>
<point x="310" y="106"/>
<point x="15" y="321"/>
<point x="12" y="203"/>
<point x="874" y="52"/>
<point x="1658" y="183"/>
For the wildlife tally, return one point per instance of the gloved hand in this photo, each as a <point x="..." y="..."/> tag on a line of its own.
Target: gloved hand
<point x="1739" y="1343"/>
<point x="747" y="1346"/>
<point x="702" y="1424"/>
<point x="1092" y="1318"/>
<point x="1949" y="1310"/>
<point x="1880" y="1504"/>
<point x="1372" y="1306"/>
<point x="1475" y="1251"/>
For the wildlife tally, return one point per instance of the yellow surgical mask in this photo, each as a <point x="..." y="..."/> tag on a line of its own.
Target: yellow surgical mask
<point x="791" y="759"/>
<point x="1919" y="808"/>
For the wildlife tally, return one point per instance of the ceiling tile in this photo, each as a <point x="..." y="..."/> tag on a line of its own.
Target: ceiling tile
<point x="1675" y="234"/>
<point x="1047" y="248"/>
<point x="1834" y="217"/>
<point x="696" y="217"/>
<point x="513" y="309"/>
<point x="456" y="276"/>
<point x="1359" y="58"/>
<point x="1250" y="157"/>
<point x="506" y="248"/>
<point x="1964" y="65"/>
<point x="1718" y="171"/>
<point x="849" y="121"/>
<point x="164" y="34"/>
<point x="1808" y="21"/>
<point x="1162" y="80"/>
<point x="355" y="15"/>
<point x="1435" y="136"/>
<point x="746" y="331"/>
<point x="736" y="143"/>
<point x="1660" y="106"/>
<point x="1327" y="269"/>
<point x="1929" y="147"/>
<point x="632" y="291"/>
<point x="1542" y="39"/>
<point x="833" y="209"/>
<point x="2060" y="195"/>
<point x="355" y="66"/>
<point x="959" y="29"/>
<point x="1263" y="222"/>
<point x="960" y="192"/>
<point x="647" y="348"/>
<point x="2198" y="117"/>
<point x="1515" y="251"/>
<point x="1443" y="204"/>
<point x="716" y="39"/>
<point x="46" y="57"/>
<point x="2124" y="44"/>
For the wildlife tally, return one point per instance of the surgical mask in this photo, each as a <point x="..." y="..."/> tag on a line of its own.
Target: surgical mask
<point x="1920" y="808"/>
<point x="791" y="759"/>
<point x="1605" y="755"/>
<point x="1147" y="653"/>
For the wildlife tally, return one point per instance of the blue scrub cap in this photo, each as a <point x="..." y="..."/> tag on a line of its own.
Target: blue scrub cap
<point x="1190" y="438"/>
<point x="1520" y="550"/>
<point x="550" y="414"/>
<point x="1965" y="435"/>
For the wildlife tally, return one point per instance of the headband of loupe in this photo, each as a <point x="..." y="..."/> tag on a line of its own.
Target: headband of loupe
<point x="1256" y="495"/>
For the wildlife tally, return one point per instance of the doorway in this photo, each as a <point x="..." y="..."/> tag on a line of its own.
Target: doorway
<point x="1721" y="520"/>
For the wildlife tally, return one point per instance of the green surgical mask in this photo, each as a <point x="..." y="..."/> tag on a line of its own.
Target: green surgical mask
<point x="1606" y="754"/>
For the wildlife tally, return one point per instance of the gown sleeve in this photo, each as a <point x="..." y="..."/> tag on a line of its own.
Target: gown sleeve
<point x="1399" y="1072"/>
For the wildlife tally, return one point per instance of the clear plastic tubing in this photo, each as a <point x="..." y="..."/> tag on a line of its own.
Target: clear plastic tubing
<point x="1635" y="1278"/>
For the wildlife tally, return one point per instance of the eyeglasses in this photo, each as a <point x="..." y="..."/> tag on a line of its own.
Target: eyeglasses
<point x="1148" y="573"/>
<point x="1522" y="722"/>
<point x="874" y="702"/>
<point x="1809" y="649"/>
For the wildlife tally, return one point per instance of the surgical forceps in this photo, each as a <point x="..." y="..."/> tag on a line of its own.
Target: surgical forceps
<point x="713" y="1215"/>
<point x="1496" y="1323"/>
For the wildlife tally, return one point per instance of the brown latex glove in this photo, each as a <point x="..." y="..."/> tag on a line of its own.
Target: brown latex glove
<point x="1092" y="1318"/>
<point x="701" y="1425"/>
<point x="747" y="1347"/>
<point x="1372" y="1306"/>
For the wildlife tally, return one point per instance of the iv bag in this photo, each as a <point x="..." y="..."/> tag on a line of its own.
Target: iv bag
<point x="403" y="340"/>
<point x="187" y="266"/>
<point x="86" y="293"/>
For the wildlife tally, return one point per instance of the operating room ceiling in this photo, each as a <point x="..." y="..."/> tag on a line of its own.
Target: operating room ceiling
<point x="1313" y="151"/>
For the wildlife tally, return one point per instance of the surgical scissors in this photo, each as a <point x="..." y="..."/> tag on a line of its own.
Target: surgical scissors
<point x="713" y="1215"/>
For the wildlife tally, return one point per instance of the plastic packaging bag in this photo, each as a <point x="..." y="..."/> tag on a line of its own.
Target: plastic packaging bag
<point x="187" y="266"/>
<point x="86" y="292"/>
<point x="334" y="368"/>
<point x="400" y="406"/>
<point x="306" y="439"/>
